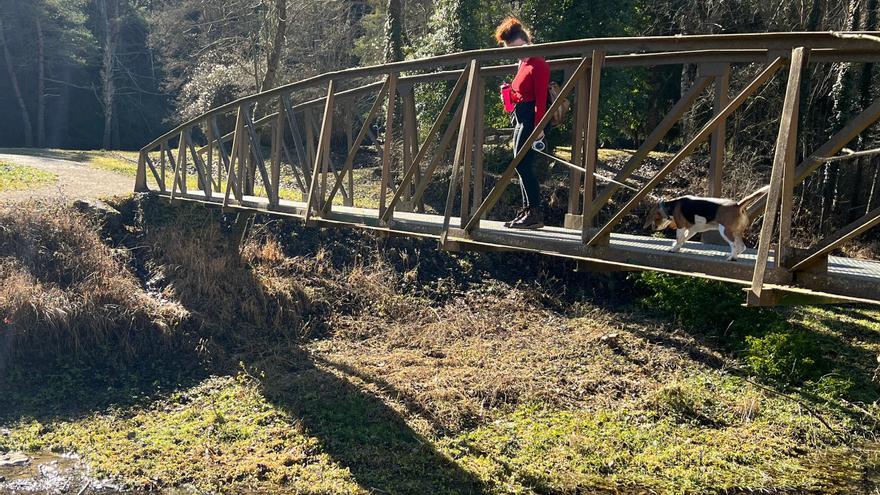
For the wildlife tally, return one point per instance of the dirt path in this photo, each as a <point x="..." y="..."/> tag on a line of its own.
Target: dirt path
<point x="75" y="180"/>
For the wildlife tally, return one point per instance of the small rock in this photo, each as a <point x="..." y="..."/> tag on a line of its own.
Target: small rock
<point x="109" y="217"/>
<point x="2" y="478"/>
<point x="13" y="459"/>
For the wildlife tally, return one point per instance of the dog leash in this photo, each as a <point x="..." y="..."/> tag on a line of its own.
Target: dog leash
<point x="539" y="146"/>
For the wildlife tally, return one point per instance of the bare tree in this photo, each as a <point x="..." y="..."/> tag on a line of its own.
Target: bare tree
<point x="109" y="10"/>
<point x="41" y="82"/>
<point x="16" y="89"/>
<point x="274" y="53"/>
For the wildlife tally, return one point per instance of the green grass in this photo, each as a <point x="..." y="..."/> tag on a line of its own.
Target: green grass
<point x="219" y="435"/>
<point x="20" y="177"/>
<point x="546" y="450"/>
<point x="124" y="162"/>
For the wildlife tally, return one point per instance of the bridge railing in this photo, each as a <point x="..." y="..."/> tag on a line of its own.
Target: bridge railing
<point x="276" y="145"/>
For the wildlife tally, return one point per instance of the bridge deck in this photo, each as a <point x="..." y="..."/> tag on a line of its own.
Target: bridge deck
<point x="846" y="278"/>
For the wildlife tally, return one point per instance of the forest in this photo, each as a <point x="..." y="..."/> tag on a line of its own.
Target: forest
<point x="113" y="74"/>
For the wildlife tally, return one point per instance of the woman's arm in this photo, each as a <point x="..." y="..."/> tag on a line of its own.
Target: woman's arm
<point x="540" y="83"/>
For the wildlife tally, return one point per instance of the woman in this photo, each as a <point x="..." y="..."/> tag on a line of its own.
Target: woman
<point x="529" y="93"/>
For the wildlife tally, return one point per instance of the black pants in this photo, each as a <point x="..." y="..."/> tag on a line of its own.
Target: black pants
<point x="524" y="124"/>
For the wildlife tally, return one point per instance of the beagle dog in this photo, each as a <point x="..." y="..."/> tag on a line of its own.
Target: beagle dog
<point x="691" y="215"/>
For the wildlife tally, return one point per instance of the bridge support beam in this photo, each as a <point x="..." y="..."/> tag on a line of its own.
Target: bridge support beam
<point x="721" y="73"/>
<point x="779" y="197"/>
<point x="591" y="136"/>
<point x="322" y="159"/>
<point x="463" y="152"/>
<point x="388" y="144"/>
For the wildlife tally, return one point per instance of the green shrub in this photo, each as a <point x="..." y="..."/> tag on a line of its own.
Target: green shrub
<point x="705" y="305"/>
<point x="770" y="345"/>
<point x="790" y="357"/>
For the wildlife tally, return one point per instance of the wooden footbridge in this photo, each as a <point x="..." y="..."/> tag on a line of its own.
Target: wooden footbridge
<point x="271" y="153"/>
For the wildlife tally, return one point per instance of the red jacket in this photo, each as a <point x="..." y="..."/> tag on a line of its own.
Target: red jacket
<point x="530" y="84"/>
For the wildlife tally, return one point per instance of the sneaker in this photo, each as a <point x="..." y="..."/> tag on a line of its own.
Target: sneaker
<point x="522" y="211"/>
<point x="532" y="220"/>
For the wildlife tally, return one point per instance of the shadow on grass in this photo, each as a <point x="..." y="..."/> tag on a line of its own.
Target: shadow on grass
<point x="362" y="433"/>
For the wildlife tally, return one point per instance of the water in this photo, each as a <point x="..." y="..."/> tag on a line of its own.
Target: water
<point x="48" y="474"/>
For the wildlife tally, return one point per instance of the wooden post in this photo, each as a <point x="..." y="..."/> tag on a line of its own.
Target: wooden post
<point x="349" y="142"/>
<point x="783" y="164"/>
<point x="591" y="140"/>
<point x="310" y="137"/>
<point x="233" y="183"/>
<point x="718" y="141"/>
<point x="410" y="142"/>
<point x="140" y="180"/>
<point x="786" y="210"/>
<point x="277" y="138"/>
<point x="210" y="162"/>
<point x="180" y="171"/>
<point x="164" y="185"/>
<point x="388" y="148"/>
<point x="244" y="152"/>
<point x="479" y="140"/>
<point x="466" y="142"/>
<point x="575" y="178"/>
<point x="323" y="149"/>
<point x="461" y="151"/>
<point x="721" y="74"/>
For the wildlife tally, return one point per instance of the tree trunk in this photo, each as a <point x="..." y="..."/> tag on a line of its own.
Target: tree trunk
<point x="843" y="103"/>
<point x="109" y="16"/>
<point x="393" y="32"/>
<point x="13" y="77"/>
<point x="41" y="83"/>
<point x="866" y="96"/>
<point x="274" y="55"/>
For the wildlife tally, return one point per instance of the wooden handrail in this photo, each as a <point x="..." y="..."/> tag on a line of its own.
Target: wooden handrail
<point x="651" y="44"/>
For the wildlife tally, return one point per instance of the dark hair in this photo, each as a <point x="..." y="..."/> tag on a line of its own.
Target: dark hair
<point x="511" y="29"/>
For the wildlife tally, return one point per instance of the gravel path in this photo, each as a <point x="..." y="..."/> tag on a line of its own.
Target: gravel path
<point x="75" y="180"/>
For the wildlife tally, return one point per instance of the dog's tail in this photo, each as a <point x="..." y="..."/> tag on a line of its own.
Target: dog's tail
<point x="752" y="197"/>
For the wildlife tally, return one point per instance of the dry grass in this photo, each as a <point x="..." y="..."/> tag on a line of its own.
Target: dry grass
<point x="62" y="290"/>
<point x="465" y="359"/>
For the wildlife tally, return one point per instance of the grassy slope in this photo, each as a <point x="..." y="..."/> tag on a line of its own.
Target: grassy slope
<point x="316" y="364"/>
<point x="18" y="177"/>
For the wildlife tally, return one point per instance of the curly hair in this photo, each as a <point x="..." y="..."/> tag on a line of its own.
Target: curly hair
<point x="510" y="29"/>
